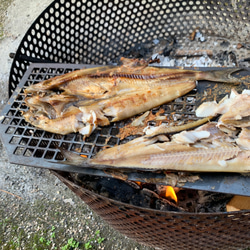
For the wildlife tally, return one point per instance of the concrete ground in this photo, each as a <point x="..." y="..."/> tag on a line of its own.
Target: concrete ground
<point x="36" y="210"/>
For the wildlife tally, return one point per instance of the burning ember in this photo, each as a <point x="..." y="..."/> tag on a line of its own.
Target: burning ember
<point x="168" y="192"/>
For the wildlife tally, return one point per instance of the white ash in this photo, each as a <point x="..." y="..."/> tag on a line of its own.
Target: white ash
<point x="224" y="53"/>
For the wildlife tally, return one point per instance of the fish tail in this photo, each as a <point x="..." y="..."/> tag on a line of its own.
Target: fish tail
<point x="223" y="75"/>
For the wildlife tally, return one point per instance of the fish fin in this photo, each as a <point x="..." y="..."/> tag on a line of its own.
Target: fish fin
<point x="73" y="158"/>
<point x="133" y="62"/>
<point x="174" y="129"/>
<point x="223" y="75"/>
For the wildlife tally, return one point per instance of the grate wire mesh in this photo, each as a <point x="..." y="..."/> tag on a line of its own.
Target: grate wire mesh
<point x="35" y="147"/>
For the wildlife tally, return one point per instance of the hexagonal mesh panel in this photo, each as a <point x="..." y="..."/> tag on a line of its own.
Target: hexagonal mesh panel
<point x="98" y="32"/>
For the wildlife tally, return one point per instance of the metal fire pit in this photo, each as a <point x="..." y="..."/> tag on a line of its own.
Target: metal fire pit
<point x="99" y="32"/>
<point x="169" y="230"/>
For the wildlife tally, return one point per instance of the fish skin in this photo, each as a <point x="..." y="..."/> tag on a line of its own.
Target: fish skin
<point x="244" y="138"/>
<point x="108" y="94"/>
<point x="53" y="104"/>
<point x="61" y="80"/>
<point x="234" y="111"/>
<point x="239" y="113"/>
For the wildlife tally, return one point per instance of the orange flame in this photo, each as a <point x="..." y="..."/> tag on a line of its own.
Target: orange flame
<point x="139" y="183"/>
<point x="170" y="194"/>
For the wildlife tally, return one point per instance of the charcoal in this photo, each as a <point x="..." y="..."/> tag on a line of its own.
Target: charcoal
<point x="161" y="46"/>
<point x="210" y="202"/>
<point x="146" y="195"/>
<point x="226" y="58"/>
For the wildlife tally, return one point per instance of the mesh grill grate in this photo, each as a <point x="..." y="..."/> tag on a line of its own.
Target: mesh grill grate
<point x="35" y="147"/>
<point x="98" y="32"/>
<point x="25" y="142"/>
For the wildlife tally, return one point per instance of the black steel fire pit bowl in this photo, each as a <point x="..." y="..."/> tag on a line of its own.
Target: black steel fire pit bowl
<point x="168" y="230"/>
<point x="70" y="33"/>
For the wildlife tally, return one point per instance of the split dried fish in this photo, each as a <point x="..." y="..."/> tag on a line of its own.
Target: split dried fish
<point x="82" y="100"/>
<point x="205" y="149"/>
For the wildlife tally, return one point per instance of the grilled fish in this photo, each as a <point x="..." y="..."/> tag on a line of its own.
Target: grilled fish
<point x="205" y="149"/>
<point x="84" y="99"/>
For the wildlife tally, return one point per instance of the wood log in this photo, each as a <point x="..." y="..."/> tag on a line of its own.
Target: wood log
<point x="238" y="203"/>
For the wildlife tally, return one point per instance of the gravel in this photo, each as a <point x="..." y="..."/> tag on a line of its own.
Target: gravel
<point x="36" y="210"/>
